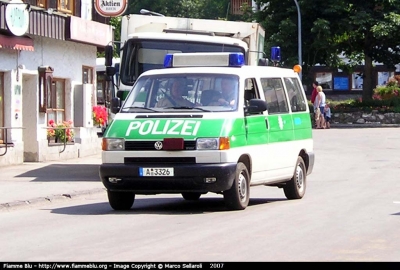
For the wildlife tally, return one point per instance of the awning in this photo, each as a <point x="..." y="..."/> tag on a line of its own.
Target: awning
<point x="16" y="43"/>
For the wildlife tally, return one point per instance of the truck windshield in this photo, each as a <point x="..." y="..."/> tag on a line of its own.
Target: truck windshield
<point x="195" y="92"/>
<point x="142" y="55"/>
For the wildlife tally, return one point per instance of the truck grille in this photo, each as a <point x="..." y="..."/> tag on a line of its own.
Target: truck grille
<point x="149" y="145"/>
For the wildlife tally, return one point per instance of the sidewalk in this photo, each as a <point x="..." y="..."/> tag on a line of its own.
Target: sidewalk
<point x="42" y="182"/>
<point x="369" y="125"/>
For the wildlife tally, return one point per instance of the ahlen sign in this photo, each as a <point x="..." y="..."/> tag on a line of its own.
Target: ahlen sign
<point x="110" y="8"/>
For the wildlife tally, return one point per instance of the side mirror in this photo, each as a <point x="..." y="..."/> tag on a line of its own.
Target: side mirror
<point x="110" y="72"/>
<point x="256" y="106"/>
<point x="109" y="51"/>
<point x="120" y="94"/>
<point x="115" y="105"/>
<point x="263" y="62"/>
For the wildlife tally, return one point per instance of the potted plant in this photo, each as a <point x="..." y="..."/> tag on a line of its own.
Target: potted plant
<point x="99" y="116"/>
<point x="61" y="132"/>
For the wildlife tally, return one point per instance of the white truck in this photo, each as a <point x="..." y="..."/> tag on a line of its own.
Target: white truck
<point x="145" y="40"/>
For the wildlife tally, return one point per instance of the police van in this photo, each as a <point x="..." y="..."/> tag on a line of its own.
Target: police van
<point x="227" y="128"/>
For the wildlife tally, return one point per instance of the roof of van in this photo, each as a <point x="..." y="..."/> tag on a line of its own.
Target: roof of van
<point x="246" y="71"/>
<point x="189" y="37"/>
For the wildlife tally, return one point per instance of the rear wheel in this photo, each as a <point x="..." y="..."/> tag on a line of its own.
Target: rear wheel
<point x="296" y="187"/>
<point x="191" y="196"/>
<point x="121" y="200"/>
<point x="238" y="196"/>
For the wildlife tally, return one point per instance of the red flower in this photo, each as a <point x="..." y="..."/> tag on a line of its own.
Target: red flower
<point x="99" y="115"/>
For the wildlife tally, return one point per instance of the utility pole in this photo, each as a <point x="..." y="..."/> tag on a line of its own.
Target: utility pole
<point x="299" y="36"/>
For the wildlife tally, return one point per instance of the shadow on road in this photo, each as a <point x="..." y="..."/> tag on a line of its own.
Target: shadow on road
<point x="64" y="172"/>
<point x="159" y="206"/>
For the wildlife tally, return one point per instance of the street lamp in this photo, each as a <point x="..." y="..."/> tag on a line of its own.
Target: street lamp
<point x="299" y="33"/>
<point x="148" y="12"/>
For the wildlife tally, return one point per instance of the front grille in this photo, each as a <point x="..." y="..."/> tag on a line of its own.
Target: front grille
<point x="149" y="145"/>
<point x="160" y="160"/>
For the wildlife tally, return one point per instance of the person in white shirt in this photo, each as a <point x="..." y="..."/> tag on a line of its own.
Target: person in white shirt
<point x="321" y="102"/>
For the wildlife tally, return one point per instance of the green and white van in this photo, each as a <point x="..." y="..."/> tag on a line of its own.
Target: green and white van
<point x="262" y="137"/>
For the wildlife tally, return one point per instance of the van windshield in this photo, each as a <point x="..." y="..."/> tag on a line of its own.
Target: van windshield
<point x="203" y="92"/>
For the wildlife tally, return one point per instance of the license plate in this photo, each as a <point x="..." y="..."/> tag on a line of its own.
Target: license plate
<point x="156" y="171"/>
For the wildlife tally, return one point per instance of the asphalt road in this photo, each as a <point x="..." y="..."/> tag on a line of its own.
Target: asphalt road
<point x="351" y="212"/>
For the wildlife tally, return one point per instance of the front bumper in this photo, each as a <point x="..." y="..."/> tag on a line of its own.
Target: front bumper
<point x="187" y="178"/>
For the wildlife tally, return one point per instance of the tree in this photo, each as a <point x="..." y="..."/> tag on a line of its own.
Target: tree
<point x="365" y="31"/>
<point x="370" y="29"/>
<point x="279" y="18"/>
<point x="202" y="9"/>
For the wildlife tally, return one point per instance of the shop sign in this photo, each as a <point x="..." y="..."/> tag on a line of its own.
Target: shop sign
<point x="17" y="17"/>
<point x="110" y="8"/>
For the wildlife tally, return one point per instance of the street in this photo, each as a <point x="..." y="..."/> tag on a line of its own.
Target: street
<point x="351" y="212"/>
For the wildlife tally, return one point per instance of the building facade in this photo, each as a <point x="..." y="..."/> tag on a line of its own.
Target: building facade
<point x="47" y="74"/>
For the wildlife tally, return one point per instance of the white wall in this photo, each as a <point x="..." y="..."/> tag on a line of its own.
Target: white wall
<point x="67" y="59"/>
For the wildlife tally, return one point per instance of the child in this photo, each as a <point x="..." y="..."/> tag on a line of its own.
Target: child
<point x="327" y="115"/>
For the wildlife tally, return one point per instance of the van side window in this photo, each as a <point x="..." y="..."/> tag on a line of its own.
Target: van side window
<point x="250" y="90"/>
<point x="274" y="95"/>
<point x="295" y="94"/>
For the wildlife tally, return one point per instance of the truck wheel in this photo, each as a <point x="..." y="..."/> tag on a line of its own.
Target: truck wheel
<point x="191" y="196"/>
<point x="238" y="196"/>
<point x="296" y="187"/>
<point x="121" y="200"/>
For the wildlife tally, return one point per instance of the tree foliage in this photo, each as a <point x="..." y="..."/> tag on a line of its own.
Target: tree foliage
<point x="202" y="9"/>
<point x="364" y="31"/>
<point x="370" y="29"/>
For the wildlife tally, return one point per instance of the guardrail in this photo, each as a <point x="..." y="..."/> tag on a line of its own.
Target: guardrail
<point x="5" y="137"/>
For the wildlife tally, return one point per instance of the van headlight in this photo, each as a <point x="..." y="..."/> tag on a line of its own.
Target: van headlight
<point x="112" y="144"/>
<point x="221" y="143"/>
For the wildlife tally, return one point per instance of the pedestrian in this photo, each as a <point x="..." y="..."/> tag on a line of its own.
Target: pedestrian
<point x="320" y="102"/>
<point x="314" y="93"/>
<point x="327" y="114"/>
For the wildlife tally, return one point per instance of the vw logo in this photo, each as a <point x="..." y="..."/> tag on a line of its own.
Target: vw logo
<point x="158" y="145"/>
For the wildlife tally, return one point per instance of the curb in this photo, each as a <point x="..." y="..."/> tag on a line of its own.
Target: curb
<point x="370" y="125"/>
<point x="7" y="207"/>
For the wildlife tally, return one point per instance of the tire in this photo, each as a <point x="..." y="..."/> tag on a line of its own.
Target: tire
<point x="238" y="196"/>
<point x="120" y="200"/>
<point x="296" y="187"/>
<point x="191" y="196"/>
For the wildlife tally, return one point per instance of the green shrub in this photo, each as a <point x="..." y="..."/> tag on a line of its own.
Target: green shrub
<point x="389" y="91"/>
<point x="386" y="105"/>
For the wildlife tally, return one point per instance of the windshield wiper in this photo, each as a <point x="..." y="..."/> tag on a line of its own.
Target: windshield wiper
<point x="136" y="107"/>
<point x="187" y="108"/>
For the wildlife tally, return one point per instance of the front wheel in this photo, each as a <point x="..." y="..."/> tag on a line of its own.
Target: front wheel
<point x="238" y="196"/>
<point x="296" y="187"/>
<point x="120" y="200"/>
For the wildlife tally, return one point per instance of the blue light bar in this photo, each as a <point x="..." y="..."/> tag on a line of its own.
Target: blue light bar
<point x="204" y="60"/>
<point x="168" y="60"/>
<point x="236" y="59"/>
